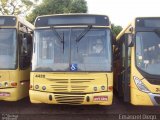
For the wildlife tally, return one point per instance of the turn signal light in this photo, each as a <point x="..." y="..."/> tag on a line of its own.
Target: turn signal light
<point x="31" y="86"/>
<point x="110" y="88"/>
<point x="14" y="84"/>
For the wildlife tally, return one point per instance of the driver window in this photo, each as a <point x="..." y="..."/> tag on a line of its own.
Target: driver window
<point x="25" y="40"/>
<point x="97" y="46"/>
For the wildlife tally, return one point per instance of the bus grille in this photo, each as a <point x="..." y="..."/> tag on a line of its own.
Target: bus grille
<point x="69" y="98"/>
<point x="70" y="85"/>
<point x="157" y="99"/>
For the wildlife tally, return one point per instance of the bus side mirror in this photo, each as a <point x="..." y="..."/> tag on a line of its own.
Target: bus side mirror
<point x="24" y="44"/>
<point x="130" y="40"/>
<point x="131" y="44"/>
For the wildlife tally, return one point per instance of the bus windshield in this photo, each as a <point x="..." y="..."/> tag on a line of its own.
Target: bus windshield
<point x="8" y="46"/>
<point x="66" y="52"/>
<point x="148" y="52"/>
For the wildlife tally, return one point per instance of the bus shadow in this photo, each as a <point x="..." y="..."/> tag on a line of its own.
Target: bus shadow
<point x="24" y="106"/>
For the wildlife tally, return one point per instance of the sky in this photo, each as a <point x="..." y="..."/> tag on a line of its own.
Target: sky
<point x="121" y="12"/>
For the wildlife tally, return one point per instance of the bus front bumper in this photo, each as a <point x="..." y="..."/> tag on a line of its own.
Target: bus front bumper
<point x="102" y="98"/>
<point x="142" y="98"/>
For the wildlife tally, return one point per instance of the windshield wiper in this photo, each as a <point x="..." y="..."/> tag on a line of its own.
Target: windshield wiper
<point x="83" y="33"/>
<point x="58" y="36"/>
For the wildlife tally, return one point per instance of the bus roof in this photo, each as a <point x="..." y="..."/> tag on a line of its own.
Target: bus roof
<point x="133" y="25"/>
<point x="21" y="20"/>
<point x="70" y="19"/>
<point x="72" y="14"/>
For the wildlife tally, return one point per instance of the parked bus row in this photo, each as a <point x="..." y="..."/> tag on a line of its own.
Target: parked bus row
<point x="74" y="58"/>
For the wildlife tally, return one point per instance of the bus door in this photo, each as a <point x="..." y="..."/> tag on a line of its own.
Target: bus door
<point x="124" y="81"/>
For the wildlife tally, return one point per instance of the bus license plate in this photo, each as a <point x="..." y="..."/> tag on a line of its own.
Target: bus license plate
<point x="4" y="94"/>
<point x="100" y="98"/>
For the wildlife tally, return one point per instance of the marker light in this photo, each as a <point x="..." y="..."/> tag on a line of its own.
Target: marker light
<point x="22" y="83"/>
<point x="140" y="85"/>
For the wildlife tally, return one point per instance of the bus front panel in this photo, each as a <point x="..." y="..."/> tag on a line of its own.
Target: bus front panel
<point x="14" y="84"/>
<point x="145" y="80"/>
<point x="71" y="88"/>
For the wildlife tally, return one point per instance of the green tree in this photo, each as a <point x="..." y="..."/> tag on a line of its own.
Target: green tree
<point x="15" y="7"/>
<point x="58" y="7"/>
<point x="116" y="29"/>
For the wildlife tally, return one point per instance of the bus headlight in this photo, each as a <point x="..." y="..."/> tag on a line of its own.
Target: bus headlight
<point x="37" y="86"/>
<point x="6" y="84"/>
<point x="95" y="88"/>
<point x="102" y="87"/>
<point x="44" y="88"/>
<point x="0" y="85"/>
<point x="140" y="85"/>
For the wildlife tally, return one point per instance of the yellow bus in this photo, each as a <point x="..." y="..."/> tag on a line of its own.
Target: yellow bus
<point x="15" y="57"/>
<point x="72" y="60"/>
<point x="137" y="62"/>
